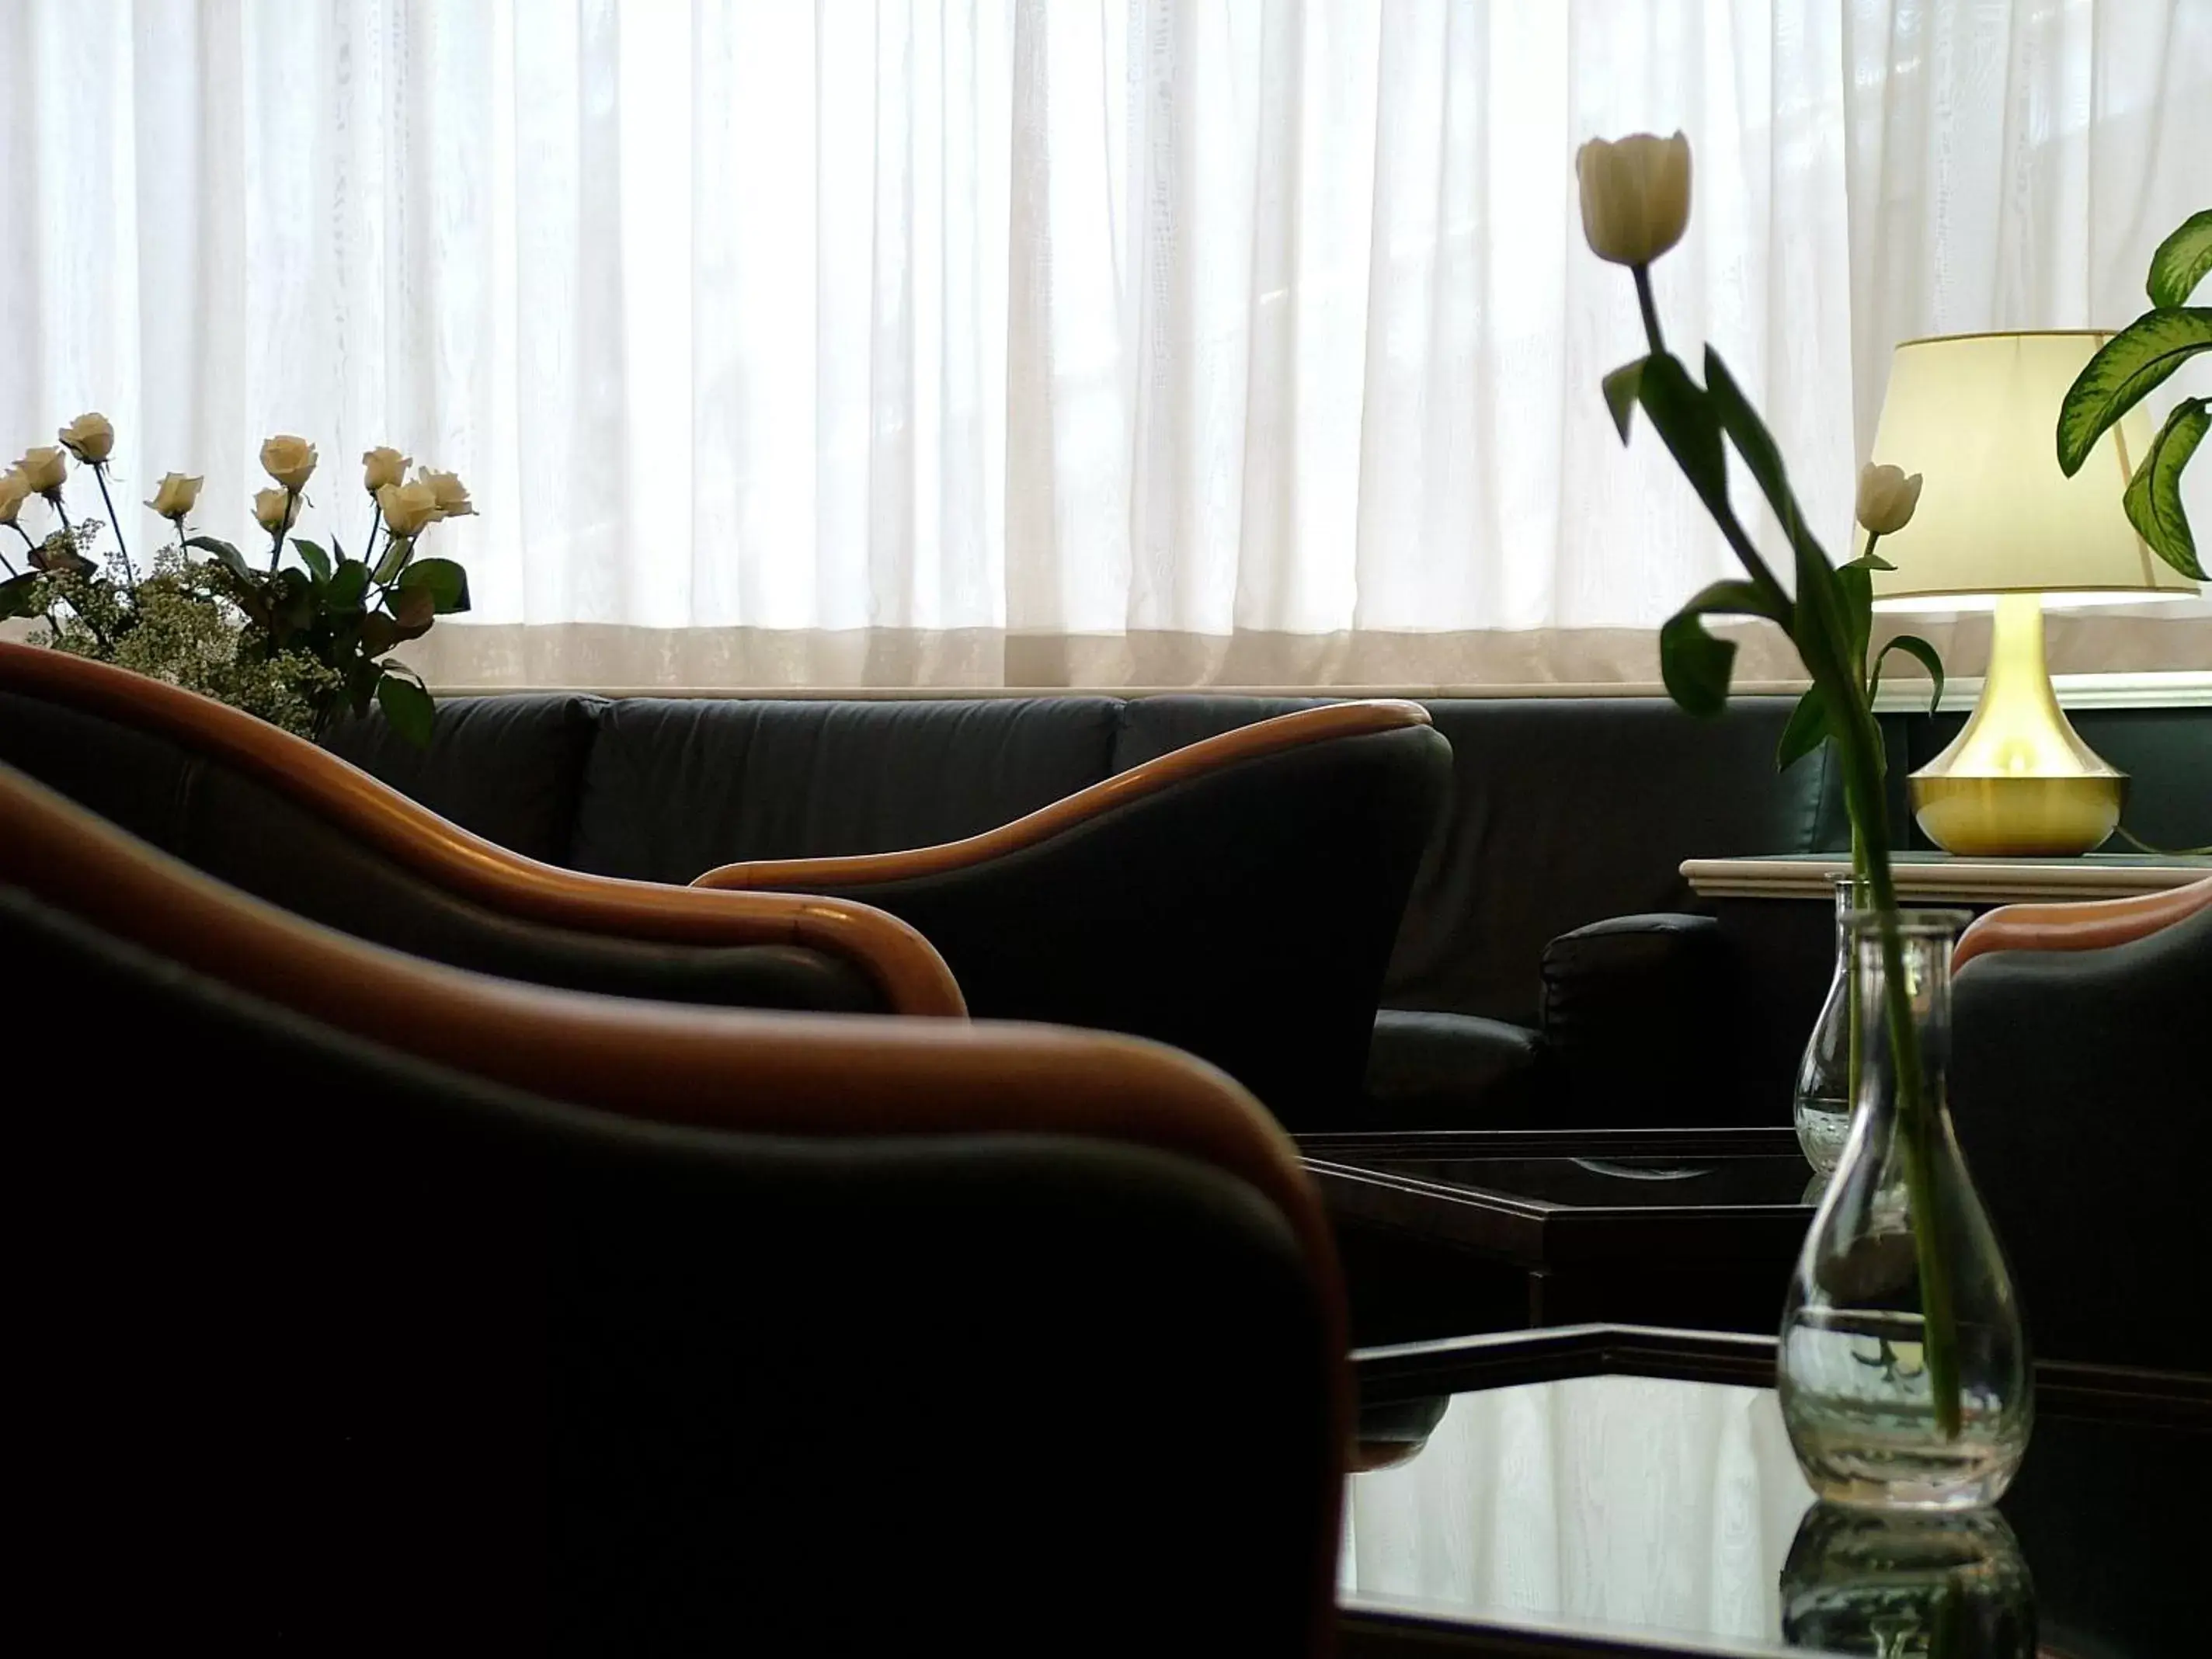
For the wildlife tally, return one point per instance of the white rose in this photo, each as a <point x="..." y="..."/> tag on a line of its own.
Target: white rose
<point x="1887" y="498"/>
<point x="452" y="494"/>
<point x="44" y="470"/>
<point x="89" y="437"/>
<point x="176" y="495"/>
<point x="275" y="510"/>
<point x="380" y="466"/>
<point x="1636" y="196"/>
<point x="289" y="460"/>
<point x="407" y="507"/>
<point x="14" y="490"/>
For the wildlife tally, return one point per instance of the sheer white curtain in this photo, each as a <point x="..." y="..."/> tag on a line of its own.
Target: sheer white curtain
<point x="1048" y="342"/>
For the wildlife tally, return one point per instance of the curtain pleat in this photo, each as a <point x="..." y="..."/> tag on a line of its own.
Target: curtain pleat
<point x="1124" y="341"/>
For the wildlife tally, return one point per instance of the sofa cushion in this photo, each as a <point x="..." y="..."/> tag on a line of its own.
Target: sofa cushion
<point x="510" y="768"/>
<point x="675" y="788"/>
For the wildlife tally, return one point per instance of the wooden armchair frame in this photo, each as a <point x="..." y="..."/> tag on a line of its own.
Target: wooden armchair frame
<point x="913" y="978"/>
<point x="2090" y="925"/>
<point x="1267" y="736"/>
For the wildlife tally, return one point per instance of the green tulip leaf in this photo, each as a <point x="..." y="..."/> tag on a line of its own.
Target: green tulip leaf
<point x="2152" y="499"/>
<point x="446" y="582"/>
<point x="408" y="708"/>
<point x="1917" y="648"/>
<point x="1807" y="731"/>
<point x="2181" y="261"/>
<point x="1621" y="394"/>
<point x="2126" y="368"/>
<point x="1855" y="588"/>
<point x="1695" y="665"/>
<point x="311" y="555"/>
<point x="396" y="552"/>
<point x="22" y="596"/>
<point x="1684" y="420"/>
<point x="1753" y="442"/>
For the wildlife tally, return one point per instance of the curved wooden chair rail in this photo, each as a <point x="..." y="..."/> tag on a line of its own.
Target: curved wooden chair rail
<point x="913" y="978"/>
<point x="730" y="1069"/>
<point x="1267" y="736"/>
<point x="2089" y="925"/>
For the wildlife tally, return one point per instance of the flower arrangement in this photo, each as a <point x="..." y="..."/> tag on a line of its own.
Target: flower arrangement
<point x="2127" y="368"/>
<point x="295" y="643"/>
<point x="1635" y="206"/>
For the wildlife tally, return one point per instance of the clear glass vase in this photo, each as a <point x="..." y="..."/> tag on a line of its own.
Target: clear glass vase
<point x="1890" y="1583"/>
<point x="1821" y="1107"/>
<point x="1904" y="1365"/>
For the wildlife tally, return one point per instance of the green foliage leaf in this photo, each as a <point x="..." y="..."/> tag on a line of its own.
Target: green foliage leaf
<point x="414" y="610"/>
<point x="2152" y="499"/>
<point x="348" y="583"/>
<point x="378" y="634"/>
<point x="446" y="582"/>
<point x="233" y="560"/>
<point x="1696" y="665"/>
<point x="1686" y="424"/>
<point x="21" y="596"/>
<point x="1807" y="731"/>
<point x="408" y="708"/>
<point x="2126" y="368"/>
<point x="1917" y="648"/>
<point x="311" y="555"/>
<point x="1621" y="394"/>
<point x="2181" y="261"/>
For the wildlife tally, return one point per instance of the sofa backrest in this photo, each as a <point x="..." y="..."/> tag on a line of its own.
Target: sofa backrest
<point x="1564" y="810"/>
<point x="676" y="786"/>
<point x="509" y="768"/>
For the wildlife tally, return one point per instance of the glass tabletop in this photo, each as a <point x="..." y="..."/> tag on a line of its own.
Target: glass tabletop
<point x="1673" y="1510"/>
<point x="1617" y="1182"/>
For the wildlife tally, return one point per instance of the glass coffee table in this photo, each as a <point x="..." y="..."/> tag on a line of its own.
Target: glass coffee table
<point x="1449" y="1231"/>
<point x="1608" y="1490"/>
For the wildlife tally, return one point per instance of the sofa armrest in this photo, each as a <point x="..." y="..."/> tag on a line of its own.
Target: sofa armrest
<point x="2090" y="925"/>
<point x="1636" y="1018"/>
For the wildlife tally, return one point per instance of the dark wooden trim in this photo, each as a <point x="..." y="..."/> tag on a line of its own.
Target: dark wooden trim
<point x="2090" y="925"/>
<point x="913" y="978"/>
<point x="1267" y="736"/>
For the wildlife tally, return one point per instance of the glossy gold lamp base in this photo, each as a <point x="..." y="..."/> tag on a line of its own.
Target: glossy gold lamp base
<point x="2017" y="781"/>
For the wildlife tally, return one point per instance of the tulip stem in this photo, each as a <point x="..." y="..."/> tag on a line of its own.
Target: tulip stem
<point x="276" y="540"/>
<point x="129" y="576"/>
<point x="1643" y="274"/>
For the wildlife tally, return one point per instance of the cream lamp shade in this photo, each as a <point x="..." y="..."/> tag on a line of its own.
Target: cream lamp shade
<point x="1977" y="416"/>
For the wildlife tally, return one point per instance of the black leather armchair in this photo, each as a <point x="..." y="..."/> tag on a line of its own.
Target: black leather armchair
<point x="2082" y="1095"/>
<point x="282" y="819"/>
<point x="1238" y="897"/>
<point x="356" y="1299"/>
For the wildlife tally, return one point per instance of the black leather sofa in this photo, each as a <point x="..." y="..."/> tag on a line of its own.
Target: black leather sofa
<point x="1552" y="966"/>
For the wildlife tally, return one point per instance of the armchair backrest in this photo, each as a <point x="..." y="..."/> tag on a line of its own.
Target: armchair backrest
<point x="350" y="1288"/>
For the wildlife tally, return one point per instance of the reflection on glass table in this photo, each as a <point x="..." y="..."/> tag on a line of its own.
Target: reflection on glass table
<point x="1672" y="1512"/>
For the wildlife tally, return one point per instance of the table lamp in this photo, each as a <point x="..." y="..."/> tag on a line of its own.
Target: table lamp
<point x="1977" y="415"/>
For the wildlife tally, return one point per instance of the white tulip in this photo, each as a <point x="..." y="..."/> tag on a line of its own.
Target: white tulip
<point x="176" y="495"/>
<point x="275" y="510"/>
<point x="289" y="460"/>
<point x="14" y="490"/>
<point x="89" y="437"/>
<point x="383" y="466"/>
<point x="1887" y="499"/>
<point x="407" y="507"/>
<point x="1636" y="196"/>
<point x="44" y="470"/>
<point x="452" y="494"/>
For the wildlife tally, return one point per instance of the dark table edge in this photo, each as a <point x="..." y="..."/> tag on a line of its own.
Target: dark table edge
<point x="1337" y="1146"/>
<point x="1416" y="1370"/>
